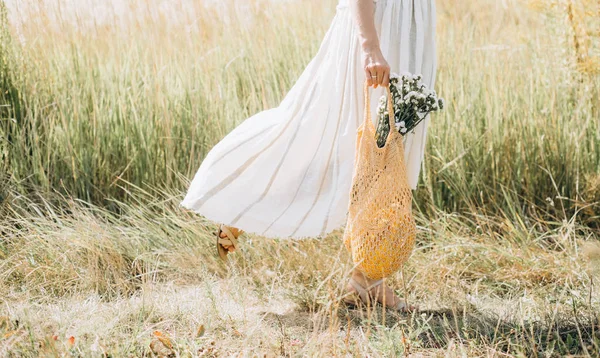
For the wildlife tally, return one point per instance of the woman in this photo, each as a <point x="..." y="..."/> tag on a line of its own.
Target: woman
<point x="287" y="171"/>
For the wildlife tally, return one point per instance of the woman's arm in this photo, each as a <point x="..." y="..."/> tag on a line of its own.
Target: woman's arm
<point x="376" y="67"/>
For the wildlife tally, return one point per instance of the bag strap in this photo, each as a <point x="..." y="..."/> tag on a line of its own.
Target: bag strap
<point x="391" y="113"/>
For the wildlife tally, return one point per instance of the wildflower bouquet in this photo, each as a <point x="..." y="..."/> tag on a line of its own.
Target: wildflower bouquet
<point x="413" y="101"/>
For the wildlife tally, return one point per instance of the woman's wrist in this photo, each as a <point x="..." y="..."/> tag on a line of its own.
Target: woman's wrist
<point x="371" y="47"/>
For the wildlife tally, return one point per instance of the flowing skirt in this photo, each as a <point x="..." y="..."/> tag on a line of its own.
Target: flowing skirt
<point x="286" y="172"/>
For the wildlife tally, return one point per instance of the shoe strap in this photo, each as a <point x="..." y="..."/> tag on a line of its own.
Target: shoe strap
<point x="225" y="242"/>
<point x="363" y="292"/>
<point x="230" y="236"/>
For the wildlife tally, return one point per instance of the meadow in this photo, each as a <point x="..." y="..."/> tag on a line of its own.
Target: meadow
<point x="107" y="109"/>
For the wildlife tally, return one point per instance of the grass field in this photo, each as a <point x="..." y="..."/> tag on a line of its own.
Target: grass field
<point x="107" y="110"/>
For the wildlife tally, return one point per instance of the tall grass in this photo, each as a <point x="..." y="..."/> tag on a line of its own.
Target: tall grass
<point x="102" y="122"/>
<point x="143" y="102"/>
<point x="141" y="99"/>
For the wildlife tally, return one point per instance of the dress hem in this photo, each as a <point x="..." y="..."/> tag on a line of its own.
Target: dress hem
<point x="215" y="219"/>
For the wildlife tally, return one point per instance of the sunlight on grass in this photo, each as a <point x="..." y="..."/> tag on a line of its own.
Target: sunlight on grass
<point x="107" y="110"/>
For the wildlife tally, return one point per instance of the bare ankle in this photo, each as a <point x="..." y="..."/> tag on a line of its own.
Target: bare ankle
<point x="362" y="279"/>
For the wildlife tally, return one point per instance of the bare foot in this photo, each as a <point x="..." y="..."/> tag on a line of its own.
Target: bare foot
<point x="382" y="293"/>
<point x="236" y="232"/>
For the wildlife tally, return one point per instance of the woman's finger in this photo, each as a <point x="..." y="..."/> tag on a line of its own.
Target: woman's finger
<point x="374" y="77"/>
<point x="369" y="78"/>
<point x="386" y="79"/>
<point x="380" y="74"/>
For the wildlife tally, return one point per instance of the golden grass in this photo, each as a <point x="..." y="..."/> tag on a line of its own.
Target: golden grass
<point x="111" y="280"/>
<point x="102" y="122"/>
<point x="141" y="98"/>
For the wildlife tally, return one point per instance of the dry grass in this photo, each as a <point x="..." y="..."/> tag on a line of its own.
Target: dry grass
<point x="99" y="120"/>
<point x="111" y="280"/>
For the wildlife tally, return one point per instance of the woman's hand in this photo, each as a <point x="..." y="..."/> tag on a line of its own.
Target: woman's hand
<point x="376" y="67"/>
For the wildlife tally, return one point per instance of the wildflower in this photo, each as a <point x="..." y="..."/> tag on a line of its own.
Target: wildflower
<point x="412" y="101"/>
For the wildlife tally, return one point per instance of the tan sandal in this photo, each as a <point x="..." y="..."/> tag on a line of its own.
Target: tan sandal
<point x="230" y="240"/>
<point x="362" y="296"/>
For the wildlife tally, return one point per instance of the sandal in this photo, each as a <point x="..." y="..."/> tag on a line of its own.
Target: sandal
<point x="362" y="295"/>
<point x="230" y="240"/>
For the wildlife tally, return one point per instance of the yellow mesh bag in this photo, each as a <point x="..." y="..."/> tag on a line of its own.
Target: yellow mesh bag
<point x="380" y="231"/>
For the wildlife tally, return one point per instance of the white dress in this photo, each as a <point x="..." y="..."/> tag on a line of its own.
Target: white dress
<point x="286" y="172"/>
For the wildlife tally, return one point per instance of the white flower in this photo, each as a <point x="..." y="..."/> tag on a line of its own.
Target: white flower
<point x="403" y="130"/>
<point x="402" y="124"/>
<point x="412" y="94"/>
